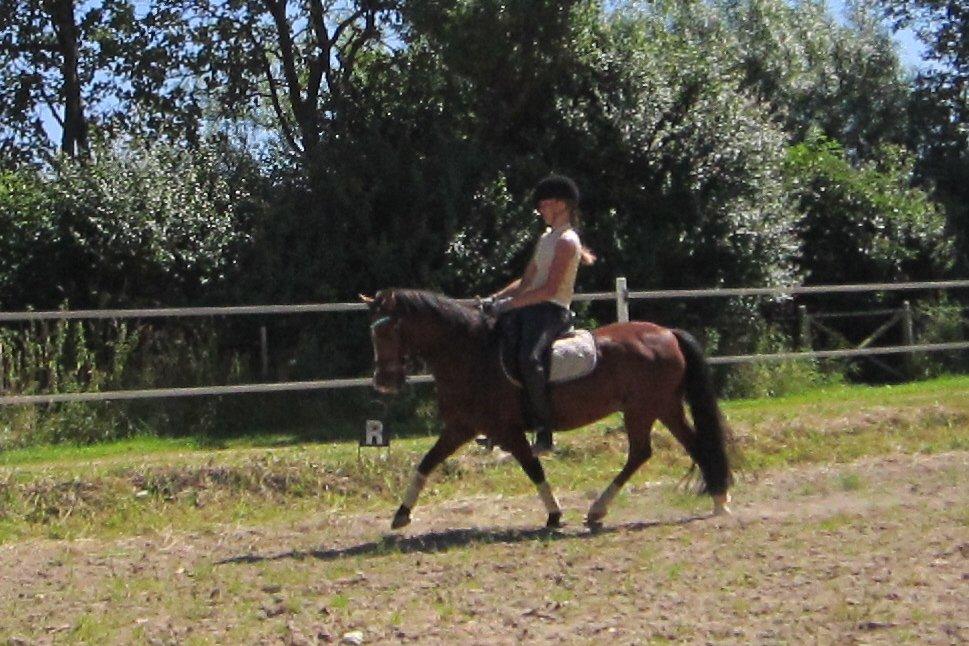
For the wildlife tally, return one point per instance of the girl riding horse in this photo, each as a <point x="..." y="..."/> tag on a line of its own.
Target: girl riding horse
<point x="534" y="309"/>
<point x="643" y="370"/>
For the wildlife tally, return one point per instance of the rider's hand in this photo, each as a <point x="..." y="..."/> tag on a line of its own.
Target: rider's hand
<point x="501" y="306"/>
<point x="486" y="304"/>
<point x="493" y="306"/>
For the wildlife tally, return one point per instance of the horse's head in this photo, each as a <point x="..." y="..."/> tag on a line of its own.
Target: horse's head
<point x="389" y="353"/>
<point x="409" y="325"/>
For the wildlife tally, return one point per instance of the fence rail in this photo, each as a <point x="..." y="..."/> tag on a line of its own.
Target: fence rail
<point x="621" y="296"/>
<point x="179" y="312"/>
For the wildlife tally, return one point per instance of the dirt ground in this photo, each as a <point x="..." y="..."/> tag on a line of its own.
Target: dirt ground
<point x="875" y="551"/>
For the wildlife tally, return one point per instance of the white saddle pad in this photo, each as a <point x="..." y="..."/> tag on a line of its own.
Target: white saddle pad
<point x="573" y="357"/>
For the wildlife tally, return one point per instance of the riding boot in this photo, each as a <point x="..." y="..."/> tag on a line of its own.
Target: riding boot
<point x="536" y="389"/>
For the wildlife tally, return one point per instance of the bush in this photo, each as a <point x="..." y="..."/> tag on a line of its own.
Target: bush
<point x="138" y="224"/>
<point x="941" y="322"/>
<point x="773" y="378"/>
<point x="64" y="357"/>
<point x="865" y="223"/>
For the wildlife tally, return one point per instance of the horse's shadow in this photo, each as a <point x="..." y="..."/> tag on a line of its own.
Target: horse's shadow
<point x="433" y="542"/>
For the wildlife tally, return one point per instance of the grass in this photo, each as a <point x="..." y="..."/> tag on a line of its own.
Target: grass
<point x="144" y="445"/>
<point x="148" y="484"/>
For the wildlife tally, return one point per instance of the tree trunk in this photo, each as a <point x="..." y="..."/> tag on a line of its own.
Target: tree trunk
<point x="74" y="140"/>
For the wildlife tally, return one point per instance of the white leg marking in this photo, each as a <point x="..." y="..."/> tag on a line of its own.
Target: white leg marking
<point x="601" y="506"/>
<point x="551" y="504"/>
<point x="720" y="503"/>
<point x="414" y="490"/>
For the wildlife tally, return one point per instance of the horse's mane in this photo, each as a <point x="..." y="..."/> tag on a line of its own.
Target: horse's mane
<point x="446" y="310"/>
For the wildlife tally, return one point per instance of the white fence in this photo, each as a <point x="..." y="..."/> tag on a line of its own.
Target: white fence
<point x="621" y="296"/>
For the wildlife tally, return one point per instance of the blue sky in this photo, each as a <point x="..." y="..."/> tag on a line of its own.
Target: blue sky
<point x="910" y="49"/>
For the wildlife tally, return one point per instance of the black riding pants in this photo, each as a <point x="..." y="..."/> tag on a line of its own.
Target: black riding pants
<point x="534" y="329"/>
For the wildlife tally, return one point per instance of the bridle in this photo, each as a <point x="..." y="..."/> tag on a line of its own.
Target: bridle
<point x="392" y="366"/>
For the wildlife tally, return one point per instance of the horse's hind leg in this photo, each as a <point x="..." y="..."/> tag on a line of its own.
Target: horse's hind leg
<point x="638" y="427"/>
<point x="516" y="444"/>
<point x="451" y="440"/>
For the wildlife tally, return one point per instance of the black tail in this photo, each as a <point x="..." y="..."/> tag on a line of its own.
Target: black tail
<point x="711" y="428"/>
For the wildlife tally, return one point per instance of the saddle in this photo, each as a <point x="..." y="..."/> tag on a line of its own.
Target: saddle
<point x="574" y="355"/>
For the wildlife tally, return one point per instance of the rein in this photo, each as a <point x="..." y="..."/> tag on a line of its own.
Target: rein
<point x="381" y="321"/>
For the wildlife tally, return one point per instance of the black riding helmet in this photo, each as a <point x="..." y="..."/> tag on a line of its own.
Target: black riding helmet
<point x="555" y="187"/>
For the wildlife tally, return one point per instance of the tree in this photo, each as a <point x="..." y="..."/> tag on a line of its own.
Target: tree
<point x="940" y="106"/>
<point x="298" y="60"/>
<point x="866" y="223"/>
<point x="88" y="67"/>
<point x="41" y="53"/>
<point x="814" y="73"/>
<point x="682" y="164"/>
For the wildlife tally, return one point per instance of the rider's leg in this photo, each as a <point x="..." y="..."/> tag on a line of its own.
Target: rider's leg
<point x="540" y="326"/>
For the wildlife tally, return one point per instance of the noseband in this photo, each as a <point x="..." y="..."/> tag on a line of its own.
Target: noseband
<point x="396" y="364"/>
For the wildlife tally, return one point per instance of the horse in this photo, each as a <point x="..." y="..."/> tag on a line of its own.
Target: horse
<point x="643" y="370"/>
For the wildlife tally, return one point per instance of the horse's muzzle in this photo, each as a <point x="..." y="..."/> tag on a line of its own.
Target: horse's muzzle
<point x="388" y="383"/>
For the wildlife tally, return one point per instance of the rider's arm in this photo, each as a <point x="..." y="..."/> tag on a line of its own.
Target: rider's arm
<point x="514" y="287"/>
<point x="565" y="250"/>
<point x="509" y="290"/>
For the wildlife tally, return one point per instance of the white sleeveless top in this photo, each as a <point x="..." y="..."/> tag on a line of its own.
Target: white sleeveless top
<point x="544" y="253"/>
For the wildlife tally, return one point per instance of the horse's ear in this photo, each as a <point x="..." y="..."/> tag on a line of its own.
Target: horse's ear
<point x="366" y="299"/>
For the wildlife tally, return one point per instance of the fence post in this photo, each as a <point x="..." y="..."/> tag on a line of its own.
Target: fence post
<point x="908" y="334"/>
<point x="264" y="350"/>
<point x="622" y="300"/>
<point x="804" y="328"/>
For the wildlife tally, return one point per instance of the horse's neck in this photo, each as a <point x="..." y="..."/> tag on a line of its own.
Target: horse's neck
<point x="451" y="351"/>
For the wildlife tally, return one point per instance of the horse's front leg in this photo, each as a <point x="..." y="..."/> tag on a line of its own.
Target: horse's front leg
<point x="516" y="444"/>
<point x="451" y="439"/>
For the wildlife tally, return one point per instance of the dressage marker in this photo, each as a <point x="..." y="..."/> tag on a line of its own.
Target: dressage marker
<point x="375" y="433"/>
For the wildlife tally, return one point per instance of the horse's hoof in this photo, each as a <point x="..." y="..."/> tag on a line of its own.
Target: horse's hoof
<point x="554" y="520"/>
<point x="594" y="520"/>
<point x="401" y="518"/>
<point x="720" y="502"/>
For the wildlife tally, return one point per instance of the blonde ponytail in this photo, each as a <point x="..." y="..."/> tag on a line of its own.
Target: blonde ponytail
<point x="586" y="256"/>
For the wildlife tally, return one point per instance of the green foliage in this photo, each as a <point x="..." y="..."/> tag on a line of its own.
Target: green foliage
<point x="680" y="166"/>
<point x="943" y="321"/>
<point x="677" y="167"/>
<point x="777" y="378"/>
<point x="26" y="219"/>
<point x="742" y="330"/>
<point x="940" y="107"/>
<point x="863" y="223"/>
<point x="494" y="236"/>
<point x="816" y="74"/>
<point x="139" y="224"/>
<point x="64" y="357"/>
